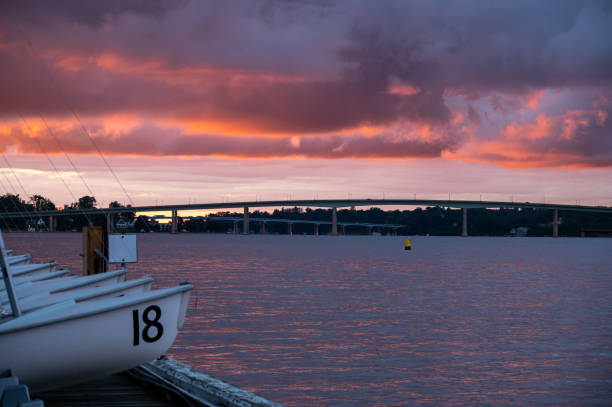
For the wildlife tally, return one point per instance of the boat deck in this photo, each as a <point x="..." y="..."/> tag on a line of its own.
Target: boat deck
<point x="116" y="390"/>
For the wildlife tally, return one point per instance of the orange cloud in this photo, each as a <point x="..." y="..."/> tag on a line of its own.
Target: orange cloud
<point x="150" y="139"/>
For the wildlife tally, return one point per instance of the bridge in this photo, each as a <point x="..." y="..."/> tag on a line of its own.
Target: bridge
<point x="316" y="223"/>
<point x="332" y="204"/>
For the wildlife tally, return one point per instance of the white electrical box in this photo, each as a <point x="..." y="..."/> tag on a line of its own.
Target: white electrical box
<point x="122" y="248"/>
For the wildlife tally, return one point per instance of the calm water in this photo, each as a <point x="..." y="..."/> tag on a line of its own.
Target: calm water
<point x="358" y="321"/>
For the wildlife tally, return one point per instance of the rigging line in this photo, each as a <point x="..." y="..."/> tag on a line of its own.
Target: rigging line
<point x="50" y="131"/>
<point x="92" y="141"/>
<point x="36" y="137"/>
<point x="64" y="100"/>
<point x="74" y="113"/>
<point x="73" y="165"/>
<point x="9" y="66"/>
<point x="40" y="146"/>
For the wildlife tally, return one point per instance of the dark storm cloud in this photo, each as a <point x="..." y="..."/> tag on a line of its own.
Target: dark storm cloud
<point x="91" y="13"/>
<point x="483" y="45"/>
<point x="291" y="107"/>
<point x="302" y="67"/>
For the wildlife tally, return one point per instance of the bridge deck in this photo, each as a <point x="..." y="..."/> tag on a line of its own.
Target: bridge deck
<point x="316" y="203"/>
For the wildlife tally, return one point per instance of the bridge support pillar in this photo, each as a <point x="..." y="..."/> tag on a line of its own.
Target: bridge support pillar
<point x="174" y="226"/>
<point x="245" y="221"/>
<point x="289" y="231"/>
<point x="52" y="223"/>
<point x="316" y="229"/>
<point x="262" y="228"/>
<point x="555" y="225"/>
<point x="235" y="227"/>
<point x="464" y="226"/>
<point x="109" y="222"/>
<point x="334" y="231"/>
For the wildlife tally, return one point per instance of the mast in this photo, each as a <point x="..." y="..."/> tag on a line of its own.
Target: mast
<point x="8" y="279"/>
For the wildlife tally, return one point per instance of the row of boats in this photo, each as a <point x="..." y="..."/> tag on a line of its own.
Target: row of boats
<point x="58" y="329"/>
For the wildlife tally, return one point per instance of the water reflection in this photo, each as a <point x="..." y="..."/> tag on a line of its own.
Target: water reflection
<point x="357" y="321"/>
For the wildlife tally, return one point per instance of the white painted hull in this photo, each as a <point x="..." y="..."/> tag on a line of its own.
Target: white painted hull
<point x="63" y="284"/>
<point x="20" y="259"/>
<point x="91" y="339"/>
<point x="36" y="278"/>
<point x="24" y="270"/>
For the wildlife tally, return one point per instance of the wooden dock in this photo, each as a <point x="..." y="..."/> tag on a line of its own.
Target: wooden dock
<point x="116" y="390"/>
<point x="159" y="383"/>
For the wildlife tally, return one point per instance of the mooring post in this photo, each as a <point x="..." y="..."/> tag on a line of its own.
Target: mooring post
<point x="334" y="231"/>
<point x="245" y="221"/>
<point x="370" y="232"/>
<point x="262" y="228"/>
<point x="95" y="244"/>
<point x="174" y="225"/>
<point x="52" y="220"/>
<point x="235" y="227"/>
<point x="555" y="223"/>
<point x="464" y="226"/>
<point x="316" y="229"/>
<point x="289" y="231"/>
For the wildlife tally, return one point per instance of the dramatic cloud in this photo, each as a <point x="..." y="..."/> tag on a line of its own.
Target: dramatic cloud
<point x="576" y="138"/>
<point x="517" y="83"/>
<point x="155" y="141"/>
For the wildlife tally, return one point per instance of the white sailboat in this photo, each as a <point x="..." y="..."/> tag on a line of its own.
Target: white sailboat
<point x="76" y="342"/>
<point x="71" y="329"/>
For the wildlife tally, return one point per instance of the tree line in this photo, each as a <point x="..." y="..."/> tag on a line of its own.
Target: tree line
<point x="420" y="221"/>
<point x="74" y="221"/>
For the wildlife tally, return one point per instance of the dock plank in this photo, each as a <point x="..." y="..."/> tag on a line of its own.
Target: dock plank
<point x="115" y="390"/>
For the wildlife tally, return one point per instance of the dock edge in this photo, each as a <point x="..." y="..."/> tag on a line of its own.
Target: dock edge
<point x="202" y="387"/>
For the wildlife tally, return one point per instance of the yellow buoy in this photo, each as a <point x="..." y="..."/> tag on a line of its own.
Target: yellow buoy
<point x="408" y="244"/>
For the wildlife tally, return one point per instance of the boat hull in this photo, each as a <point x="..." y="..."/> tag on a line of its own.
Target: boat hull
<point x="24" y="270"/>
<point x="20" y="259"/>
<point x="69" y="351"/>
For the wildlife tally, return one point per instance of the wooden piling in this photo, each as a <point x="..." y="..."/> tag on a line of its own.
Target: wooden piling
<point x="94" y="239"/>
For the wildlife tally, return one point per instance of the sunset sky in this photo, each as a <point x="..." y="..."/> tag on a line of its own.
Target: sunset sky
<point x="242" y="100"/>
